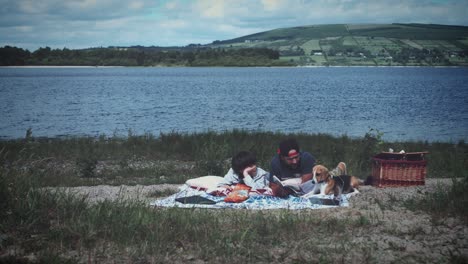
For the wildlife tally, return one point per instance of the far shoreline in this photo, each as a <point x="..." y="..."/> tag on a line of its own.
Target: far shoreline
<point x="60" y="66"/>
<point x="221" y="66"/>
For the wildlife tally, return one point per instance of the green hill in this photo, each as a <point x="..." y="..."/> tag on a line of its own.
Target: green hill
<point x="362" y="44"/>
<point x="316" y="45"/>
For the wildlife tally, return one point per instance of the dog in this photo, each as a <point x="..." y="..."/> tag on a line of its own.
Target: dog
<point x="325" y="183"/>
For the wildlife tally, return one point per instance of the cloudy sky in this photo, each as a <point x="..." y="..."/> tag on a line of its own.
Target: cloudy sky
<point x="74" y="24"/>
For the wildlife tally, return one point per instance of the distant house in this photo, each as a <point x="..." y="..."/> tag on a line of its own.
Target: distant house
<point x="317" y="52"/>
<point x="252" y="40"/>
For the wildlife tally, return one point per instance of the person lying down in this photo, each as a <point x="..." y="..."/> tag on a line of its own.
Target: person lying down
<point x="244" y="170"/>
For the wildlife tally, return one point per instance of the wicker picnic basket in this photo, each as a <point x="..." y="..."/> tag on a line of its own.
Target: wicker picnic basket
<point x="398" y="169"/>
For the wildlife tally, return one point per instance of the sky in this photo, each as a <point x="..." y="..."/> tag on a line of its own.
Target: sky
<point x="76" y="24"/>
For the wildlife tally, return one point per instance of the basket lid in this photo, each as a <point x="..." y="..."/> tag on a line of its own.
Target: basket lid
<point x="412" y="156"/>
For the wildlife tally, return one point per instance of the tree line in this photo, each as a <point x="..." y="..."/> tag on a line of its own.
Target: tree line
<point x="140" y="56"/>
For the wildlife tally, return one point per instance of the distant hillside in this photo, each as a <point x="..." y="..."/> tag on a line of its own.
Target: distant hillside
<point x="362" y="44"/>
<point x="318" y="45"/>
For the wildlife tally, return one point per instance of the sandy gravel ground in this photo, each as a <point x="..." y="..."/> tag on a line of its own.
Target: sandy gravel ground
<point x="394" y="232"/>
<point x="146" y="192"/>
<point x="138" y="192"/>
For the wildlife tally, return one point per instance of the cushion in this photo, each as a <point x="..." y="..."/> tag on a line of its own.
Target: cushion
<point x="205" y="182"/>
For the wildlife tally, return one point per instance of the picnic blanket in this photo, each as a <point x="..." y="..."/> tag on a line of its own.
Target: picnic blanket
<point x="258" y="202"/>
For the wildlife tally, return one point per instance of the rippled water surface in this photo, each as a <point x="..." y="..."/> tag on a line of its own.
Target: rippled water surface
<point x="404" y="103"/>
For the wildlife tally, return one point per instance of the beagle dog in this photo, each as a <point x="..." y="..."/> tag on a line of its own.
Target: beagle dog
<point x="327" y="184"/>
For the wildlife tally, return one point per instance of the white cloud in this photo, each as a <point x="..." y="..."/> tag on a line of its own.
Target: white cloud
<point x="173" y="24"/>
<point x="24" y="29"/>
<point x="111" y="24"/>
<point x="136" y="5"/>
<point x="171" y="5"/>
<point x="82" y="23"/>
<point x="32" y="7"/>
<point x="273" y="5"/>
<point x="211" y="8"/>
<point x="81" y="4"/>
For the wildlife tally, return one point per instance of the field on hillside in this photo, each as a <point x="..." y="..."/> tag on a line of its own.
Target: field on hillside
<point x="365" y="44"/>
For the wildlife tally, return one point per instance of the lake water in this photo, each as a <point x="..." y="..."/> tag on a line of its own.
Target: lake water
<point x="405" y="103"/>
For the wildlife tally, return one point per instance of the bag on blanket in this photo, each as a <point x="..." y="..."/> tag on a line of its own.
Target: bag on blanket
<point x="239" y="194"/>
<point x="194" y="199"/>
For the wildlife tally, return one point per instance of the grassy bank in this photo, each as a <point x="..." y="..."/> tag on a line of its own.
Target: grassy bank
<point x="176" y="157"/>
<point x="58" y="227"/>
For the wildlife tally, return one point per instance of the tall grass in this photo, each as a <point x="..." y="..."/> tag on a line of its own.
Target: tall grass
<point x="77" y="160"/>
<point x="444" y="201"/>
<point x="52" y="223"/>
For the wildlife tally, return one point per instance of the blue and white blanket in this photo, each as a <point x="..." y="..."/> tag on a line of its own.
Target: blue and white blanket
<point x="254" y="202"/>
